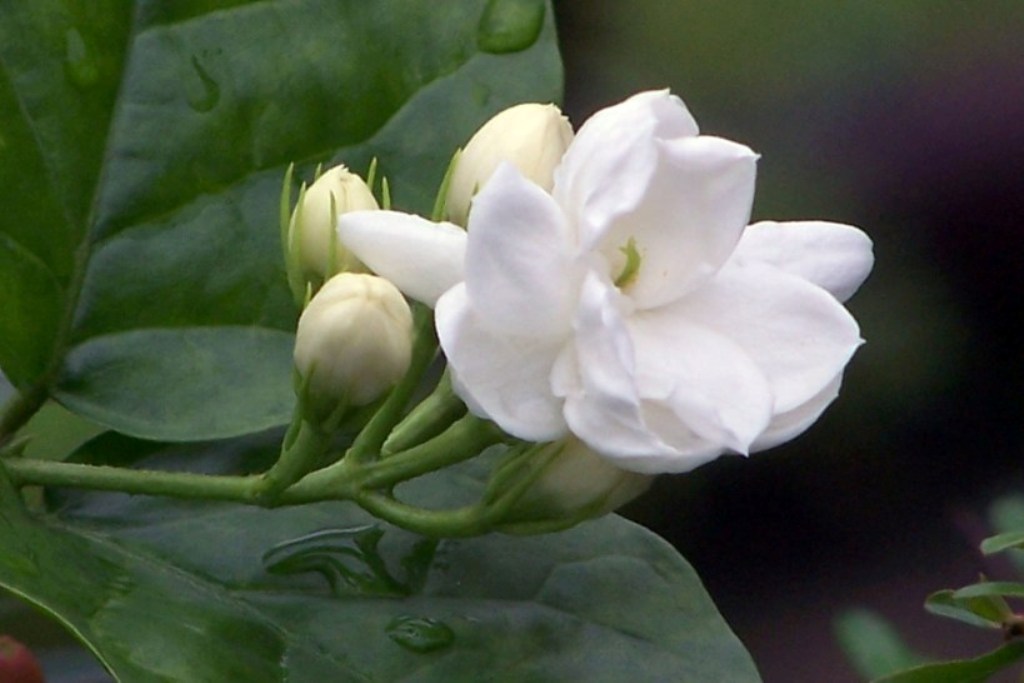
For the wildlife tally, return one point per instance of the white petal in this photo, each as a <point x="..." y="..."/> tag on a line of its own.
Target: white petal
<point x="709" y="383"/>
<point x="504" y="377"/>
<point x="422" y="258"/>
<point x="831" y="255"/>
<point x="797" y="333"/>
<point x="689" y="220"/>
<point x="519" y="259"/>
<point x="595" y="375"/>
<point x="606" y="169"/>
<point x="789" y="425"/>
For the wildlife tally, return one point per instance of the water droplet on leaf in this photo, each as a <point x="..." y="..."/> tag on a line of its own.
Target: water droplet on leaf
<point x="201" y="91"/>
<point x="350" y="561"/>
<point x="420" y="634"/>
<point x="79" y="63"/>
<point x="510" y="25"/>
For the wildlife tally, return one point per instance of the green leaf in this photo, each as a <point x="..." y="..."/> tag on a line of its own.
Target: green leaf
<point x="1001" y="542"/>
<point x="872" y="645"/>
<point x="165" y="591"/>
<point x="988" y="589"/>
<point x="983" y="612"/>
<point x="961" y="671"/>
<point x="142" y="150"/>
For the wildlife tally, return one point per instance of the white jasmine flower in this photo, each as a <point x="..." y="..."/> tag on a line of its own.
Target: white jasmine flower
<point x="631" y="307"/>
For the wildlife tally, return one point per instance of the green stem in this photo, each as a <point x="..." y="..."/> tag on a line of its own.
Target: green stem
<point x="24" y="472"/>
<point x="303" y="448"/>
<point x="471" y="520"/>
<point x="432" y="416"/>
<point x="368" y="444"/>
<point x="465" y="439"/>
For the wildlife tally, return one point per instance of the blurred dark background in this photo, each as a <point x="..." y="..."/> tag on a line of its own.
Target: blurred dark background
<point x="906" y="119"/>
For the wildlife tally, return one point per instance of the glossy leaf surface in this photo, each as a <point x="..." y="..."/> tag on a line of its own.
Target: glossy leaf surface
<point x="163" y="591"/>
<point x="142" y="150"/>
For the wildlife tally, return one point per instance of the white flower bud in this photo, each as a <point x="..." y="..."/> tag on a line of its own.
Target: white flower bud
<point x="533" y="137"/>
<point x="314" y="222"/>
<point x="578" y="482"/>
<point x="353" y="343"/>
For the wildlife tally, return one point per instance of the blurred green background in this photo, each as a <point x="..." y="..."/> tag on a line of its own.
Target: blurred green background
<point x="905" y="118"/>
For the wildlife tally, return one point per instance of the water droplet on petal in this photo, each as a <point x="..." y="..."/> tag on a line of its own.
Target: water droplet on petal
<point x="420" y="634"/>
<point x="79" y="62"/>
<point x="510" y="25"/>
<point x="201" y="91"/>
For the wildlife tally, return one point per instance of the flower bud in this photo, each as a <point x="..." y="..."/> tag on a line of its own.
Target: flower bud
<point x="533" y="137"/>
<point x="353" y="343"/>
<point x="578" y="483"/>
<point x="315" y="221"/>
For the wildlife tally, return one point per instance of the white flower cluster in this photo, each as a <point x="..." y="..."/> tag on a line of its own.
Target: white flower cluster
<point x="607" y="288"/>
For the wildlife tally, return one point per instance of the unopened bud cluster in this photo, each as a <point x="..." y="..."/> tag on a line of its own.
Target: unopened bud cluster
<point x="354" y="339"/>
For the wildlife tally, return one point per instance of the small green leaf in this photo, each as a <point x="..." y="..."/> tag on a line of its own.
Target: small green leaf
<point x="997" y="544"/>
<point x="872" y="645"/>
<point x="974" y="670"/>
<point x="984" y="612"/>
<point x="988" y="589"/>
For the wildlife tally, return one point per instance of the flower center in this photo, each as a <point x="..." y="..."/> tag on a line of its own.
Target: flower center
<point x="631" y="267"/>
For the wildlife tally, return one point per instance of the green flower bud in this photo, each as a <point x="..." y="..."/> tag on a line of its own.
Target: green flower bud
<point x="353" y="343"/>
<point x="533" y="137"/>
<point x="577" y="484"/>
<point x="315" y="222"/>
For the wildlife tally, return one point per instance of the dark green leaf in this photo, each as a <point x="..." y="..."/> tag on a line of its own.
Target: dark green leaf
<point x="961" y="671"/>
<point x="142" y="149"/>
<point x="165" y="591"/>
